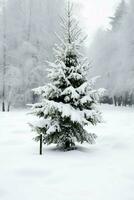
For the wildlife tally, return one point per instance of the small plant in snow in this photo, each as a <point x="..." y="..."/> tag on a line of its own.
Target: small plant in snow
<point x="69" y="101"/>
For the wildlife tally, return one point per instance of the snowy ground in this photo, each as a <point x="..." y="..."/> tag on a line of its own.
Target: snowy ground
<point x="104" y="171"/>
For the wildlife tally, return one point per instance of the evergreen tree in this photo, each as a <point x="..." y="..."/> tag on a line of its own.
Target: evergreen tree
<point x="120" y="12"/>
<point x="68" y="101"/>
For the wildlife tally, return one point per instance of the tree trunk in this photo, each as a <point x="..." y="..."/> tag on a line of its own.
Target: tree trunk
<point x="126" y="99"/>
<point x="3" y="106"/>
<point x="29" y="20"/>
<point x="67" y="145"/>
<point x="40" y="144"/>
<point x="115" y="101"/>
<point x="120" y="101"/>
<point x="4" y="55"/>
<point x="8" y="107"/>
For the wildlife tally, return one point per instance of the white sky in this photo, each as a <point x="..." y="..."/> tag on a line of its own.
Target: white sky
<point x="95" y="13"/>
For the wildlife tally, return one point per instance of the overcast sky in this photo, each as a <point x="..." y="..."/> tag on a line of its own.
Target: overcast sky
<point x="95" y="13"/>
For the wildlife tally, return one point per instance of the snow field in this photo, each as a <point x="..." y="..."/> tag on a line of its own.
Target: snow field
<point x="104" y="171"/>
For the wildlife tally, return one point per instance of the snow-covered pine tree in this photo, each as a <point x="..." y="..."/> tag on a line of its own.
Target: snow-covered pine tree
<point x="68" y="101"/>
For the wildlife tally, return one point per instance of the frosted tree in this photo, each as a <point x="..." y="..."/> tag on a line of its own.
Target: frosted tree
<point x="26" y="34"/>
<point x="110" y="52"/>
<point x="68" y="101"/>
<point x="120" y="12"/>
<point x="4" y="53"/>
<point x="13" y="77"/>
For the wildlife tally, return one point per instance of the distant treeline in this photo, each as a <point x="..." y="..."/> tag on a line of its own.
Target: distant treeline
<point x="126" y="100"/>
<point x="27" y="36"/>
<point x="113" y="56"/>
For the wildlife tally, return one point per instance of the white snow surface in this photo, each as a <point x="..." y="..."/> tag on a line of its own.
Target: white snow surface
<point x="103" y="171"/>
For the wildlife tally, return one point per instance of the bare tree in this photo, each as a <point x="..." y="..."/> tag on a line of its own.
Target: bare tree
<point x="4" y="55"/>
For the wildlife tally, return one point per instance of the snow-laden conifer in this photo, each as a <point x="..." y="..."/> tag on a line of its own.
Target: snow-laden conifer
<point x="68" y="102"/>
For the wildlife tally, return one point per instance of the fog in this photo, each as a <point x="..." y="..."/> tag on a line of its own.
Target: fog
<point x="112" y="54"/>
<point x="27" y="37"/>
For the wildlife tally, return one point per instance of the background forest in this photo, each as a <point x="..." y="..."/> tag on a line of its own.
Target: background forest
<point x="112" y="52"/>
<point x="27" y="35"/>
